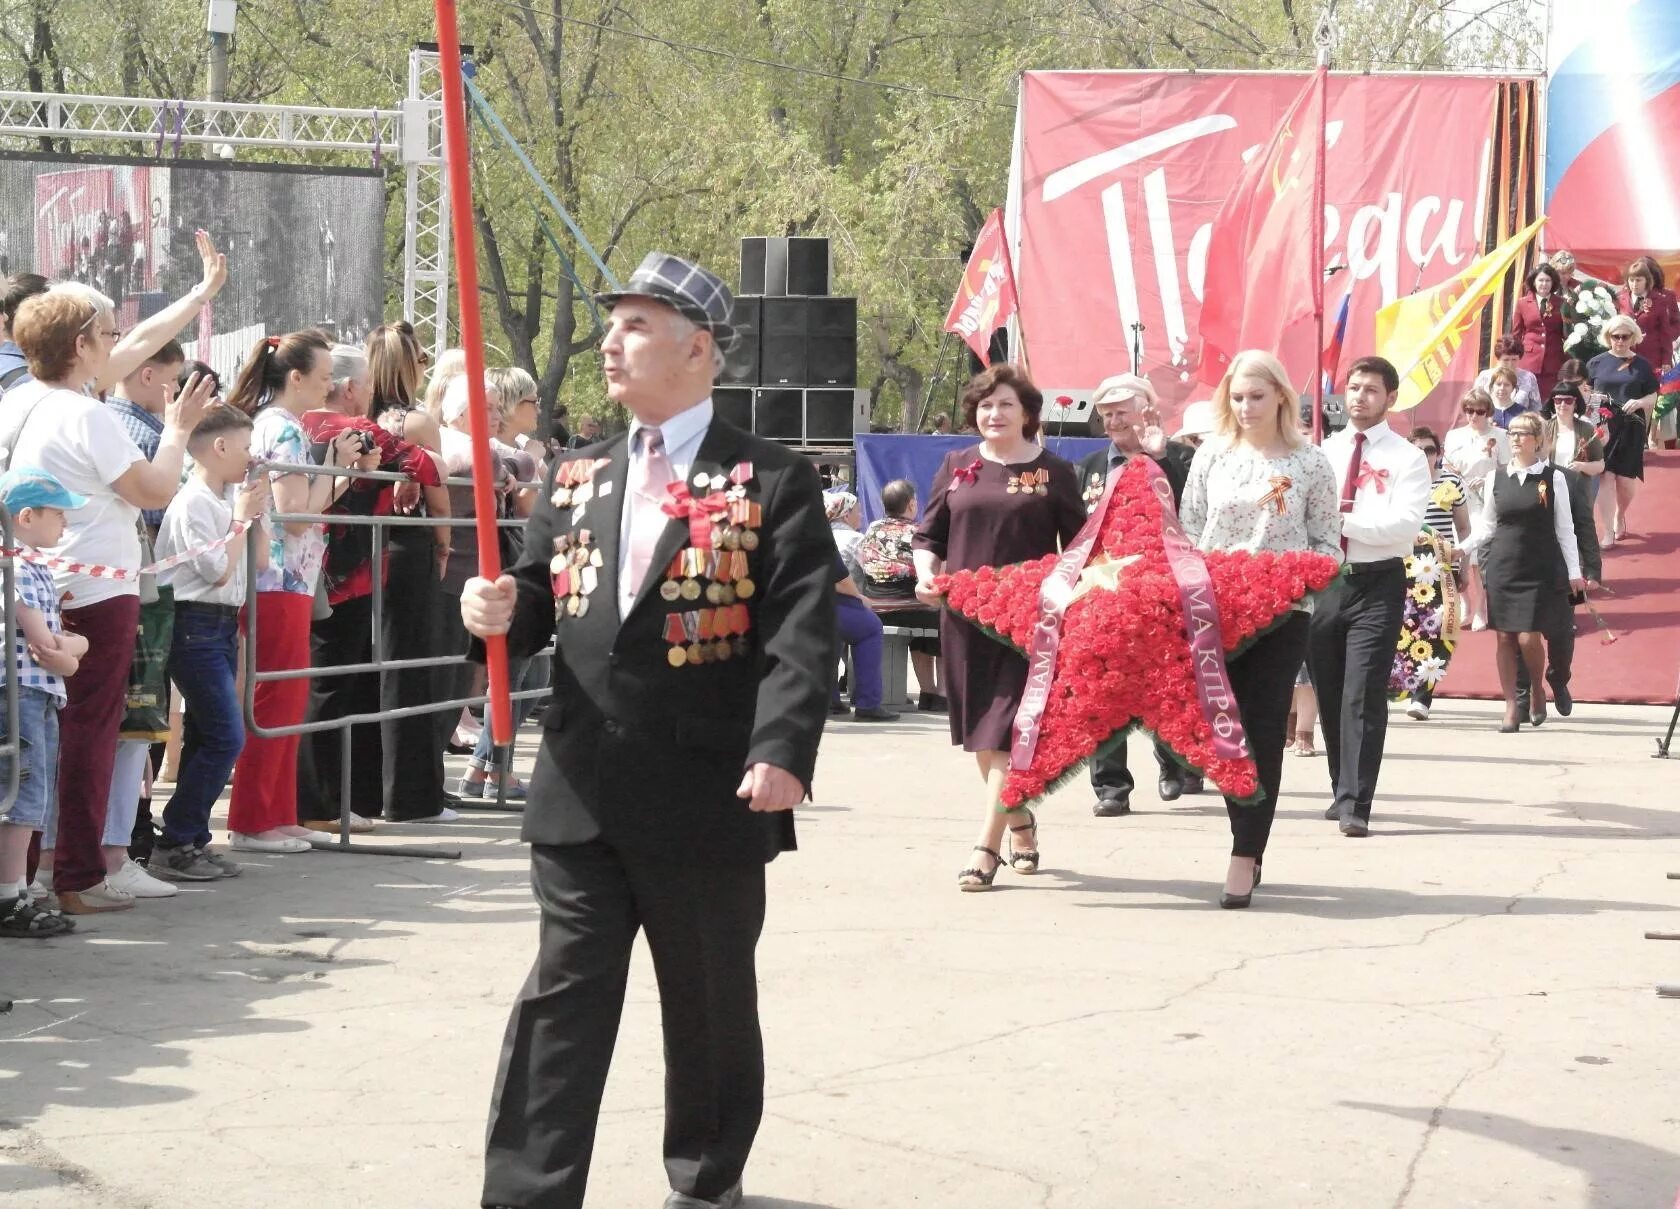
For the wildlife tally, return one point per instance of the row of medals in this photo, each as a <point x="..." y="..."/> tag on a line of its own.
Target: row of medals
<point x="714" y="635"/>
<point x="1029" y="482"/>
<point x="575" y="570"/>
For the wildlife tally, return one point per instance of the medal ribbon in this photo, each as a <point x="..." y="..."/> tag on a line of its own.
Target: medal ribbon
<point x="696" y="510"/>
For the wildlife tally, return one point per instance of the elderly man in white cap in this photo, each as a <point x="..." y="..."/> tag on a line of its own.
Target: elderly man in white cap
<point x="1124" y="404"/>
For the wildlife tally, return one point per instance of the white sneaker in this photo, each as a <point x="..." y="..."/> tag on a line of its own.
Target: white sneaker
<point x="250" y="843"/>
<point x="444" y="815"/>
<point x="132" y="880"/>
<point x="1418" y="710"/>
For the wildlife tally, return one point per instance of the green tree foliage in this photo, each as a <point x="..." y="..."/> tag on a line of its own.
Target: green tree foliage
<point x="685" y="124"/>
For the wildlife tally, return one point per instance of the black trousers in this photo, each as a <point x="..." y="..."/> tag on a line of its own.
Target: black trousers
<point x="1560" y="657"/>
<point x="702" y="923"/>
<point x="338" y="641"/>
<point x="1350" y="652"/>
<point x="1111" y="778"/>
<point x="412" y="755"/>
<point x="1263" y="682"/>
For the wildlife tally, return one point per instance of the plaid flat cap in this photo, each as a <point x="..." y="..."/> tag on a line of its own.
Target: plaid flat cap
<point x="685" y="286"/>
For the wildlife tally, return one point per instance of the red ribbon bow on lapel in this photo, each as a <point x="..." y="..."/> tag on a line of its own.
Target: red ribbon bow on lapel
<point x="1370" y="476"/>
<point x="965" y="474"/>
<point x="696" y="510"/>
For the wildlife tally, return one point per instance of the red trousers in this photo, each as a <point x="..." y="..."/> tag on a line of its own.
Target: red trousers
<point x="96" y="700"/>
<point x="265" y="778"/>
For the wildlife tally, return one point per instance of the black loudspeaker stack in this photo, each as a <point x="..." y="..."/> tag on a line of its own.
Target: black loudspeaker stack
<point x="792" y="375"/>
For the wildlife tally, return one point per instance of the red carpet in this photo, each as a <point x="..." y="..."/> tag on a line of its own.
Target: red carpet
<point x="1640" y="604"/>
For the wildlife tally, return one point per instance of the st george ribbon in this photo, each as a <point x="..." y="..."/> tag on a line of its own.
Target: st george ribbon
<point x="1201" y="625"/>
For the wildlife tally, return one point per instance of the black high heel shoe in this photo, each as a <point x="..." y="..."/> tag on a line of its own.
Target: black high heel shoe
<point x="1237" y="902"/>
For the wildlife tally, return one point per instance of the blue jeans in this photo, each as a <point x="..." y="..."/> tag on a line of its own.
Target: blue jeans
<point x="203" y="660"/>
<point x="860" y="629"/>
<point x="37" y="795"/>
<point x="523" y="674"/>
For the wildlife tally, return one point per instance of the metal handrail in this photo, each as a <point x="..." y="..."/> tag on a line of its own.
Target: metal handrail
<point x="378" y="665"/>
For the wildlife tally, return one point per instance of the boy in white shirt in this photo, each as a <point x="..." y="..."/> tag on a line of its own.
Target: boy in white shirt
<point x="204" y="654"/>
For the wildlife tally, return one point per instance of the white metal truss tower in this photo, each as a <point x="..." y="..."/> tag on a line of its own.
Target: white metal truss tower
<point x="426" y="204"/>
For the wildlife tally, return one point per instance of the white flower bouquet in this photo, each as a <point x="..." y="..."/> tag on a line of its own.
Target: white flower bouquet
<point x="1592" y="307"/>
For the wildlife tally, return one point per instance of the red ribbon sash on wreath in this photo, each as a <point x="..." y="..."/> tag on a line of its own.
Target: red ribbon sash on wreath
<point x="1054" y="596"/>
<point x="1201" y="625"/>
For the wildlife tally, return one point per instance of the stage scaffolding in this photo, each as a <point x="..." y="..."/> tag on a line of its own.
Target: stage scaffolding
<point x="413" y="129"/>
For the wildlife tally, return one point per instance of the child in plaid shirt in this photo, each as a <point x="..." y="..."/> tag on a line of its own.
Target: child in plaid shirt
<point x="41" y="657"/>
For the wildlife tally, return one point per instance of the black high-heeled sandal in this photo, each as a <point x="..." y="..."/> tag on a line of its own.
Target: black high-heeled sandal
<point x="1237" y="902"/>
<point x="1027" y="856"/>
<point x="982" y="878"/>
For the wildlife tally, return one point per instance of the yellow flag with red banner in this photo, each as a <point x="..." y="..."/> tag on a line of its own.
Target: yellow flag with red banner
<point x="1421" y="333"/>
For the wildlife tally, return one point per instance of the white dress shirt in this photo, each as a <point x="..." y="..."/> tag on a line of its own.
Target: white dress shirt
<point x="1388" y="506"/>
<point x="1563" y="516"/>
<point x="683" y="434"/>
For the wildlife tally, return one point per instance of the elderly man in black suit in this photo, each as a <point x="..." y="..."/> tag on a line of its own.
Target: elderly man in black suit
<point x="685" y="570"/>
<point x="1129" y="411"/>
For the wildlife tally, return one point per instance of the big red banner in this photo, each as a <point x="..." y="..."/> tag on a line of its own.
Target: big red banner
<point x="1119" y="174"/>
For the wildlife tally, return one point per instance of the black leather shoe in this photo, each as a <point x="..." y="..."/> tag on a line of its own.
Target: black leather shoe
<point x="1171" y="788"/>
<point x="931" y="703"/>
<point x="1190" y="783"/>
<point x="1355" y="828"/>
<point x="1563" y="702"/>
<point x="1333" y="812"/>
<point x="681" y="1200"/>
<point x="875" y="714"/>
<point x="836" y="708"/>
<point x="1112" y="806"/>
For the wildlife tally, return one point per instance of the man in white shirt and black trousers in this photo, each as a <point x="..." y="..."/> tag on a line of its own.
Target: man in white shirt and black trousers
<point x="1383" y="483"/>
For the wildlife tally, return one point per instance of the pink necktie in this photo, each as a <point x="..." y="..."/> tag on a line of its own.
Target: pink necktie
<point x="1350" y="485"/>
<point x="650" y="475"/>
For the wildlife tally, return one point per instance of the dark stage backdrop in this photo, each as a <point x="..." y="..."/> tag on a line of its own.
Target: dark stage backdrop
<point x="305" y="245"/>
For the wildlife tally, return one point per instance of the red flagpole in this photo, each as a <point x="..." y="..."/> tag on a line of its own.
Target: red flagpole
<point x="472" y="342"/>
<point x="1323" y="72"/>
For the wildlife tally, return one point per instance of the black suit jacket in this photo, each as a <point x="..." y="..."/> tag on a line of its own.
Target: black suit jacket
<point x="648" y="756"/>
<point x="1174" y="461"/>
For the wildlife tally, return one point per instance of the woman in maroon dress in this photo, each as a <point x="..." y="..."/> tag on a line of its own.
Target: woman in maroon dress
<point x="1648" y="302"/>
<point x="1539" y="323"/>
<point x="1002" y="501"/>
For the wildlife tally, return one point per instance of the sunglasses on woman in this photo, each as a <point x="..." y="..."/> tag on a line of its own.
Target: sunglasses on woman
<point x="1476" y="411"/>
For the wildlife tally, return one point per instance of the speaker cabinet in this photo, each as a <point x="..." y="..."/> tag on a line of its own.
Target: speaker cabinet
<point x="831" y="343"/>
<point x="782" y="345"/>
<point x="807" y="260"/>
<point x="740" y="362"/>
<point x="779" y="413"/>
<point x="734" y="405"/>
<point x="830" y="416"/>
<point x="764" y="265"/>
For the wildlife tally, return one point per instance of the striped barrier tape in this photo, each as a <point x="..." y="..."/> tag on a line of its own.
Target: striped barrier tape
<point x="100" y="571"/>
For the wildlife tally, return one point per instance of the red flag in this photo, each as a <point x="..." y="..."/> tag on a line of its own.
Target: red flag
<point x="986" y="297"/>
<point x="1264" y="273"/>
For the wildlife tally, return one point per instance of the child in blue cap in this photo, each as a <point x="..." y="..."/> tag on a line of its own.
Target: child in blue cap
<point x="42" y="656"/>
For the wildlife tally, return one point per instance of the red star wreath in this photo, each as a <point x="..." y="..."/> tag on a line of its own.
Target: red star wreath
<point x="1125" y="658"/>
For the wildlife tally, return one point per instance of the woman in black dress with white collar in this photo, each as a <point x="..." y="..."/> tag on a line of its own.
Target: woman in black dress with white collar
<point x="1531" y="564"/>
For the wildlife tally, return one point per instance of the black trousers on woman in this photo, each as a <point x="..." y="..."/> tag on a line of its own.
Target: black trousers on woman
<point x="343" y="639"/>
<point x="1263" y="681"/>
<point x="413" y="760"/>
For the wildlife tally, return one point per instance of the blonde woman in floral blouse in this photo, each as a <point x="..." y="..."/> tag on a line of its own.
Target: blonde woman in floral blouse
<point x="1257" y="484"/>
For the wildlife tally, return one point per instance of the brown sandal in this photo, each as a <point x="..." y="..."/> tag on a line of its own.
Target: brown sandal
<point x="1024" y="861"/>
<point x="976" y="878"/>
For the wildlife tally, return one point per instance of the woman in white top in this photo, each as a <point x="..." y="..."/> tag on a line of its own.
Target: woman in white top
<point x="1474" y="452"/>
<point x="1257" y="484"/>
<point x="67" y="335"/>
<point x="1532" y="563"/>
